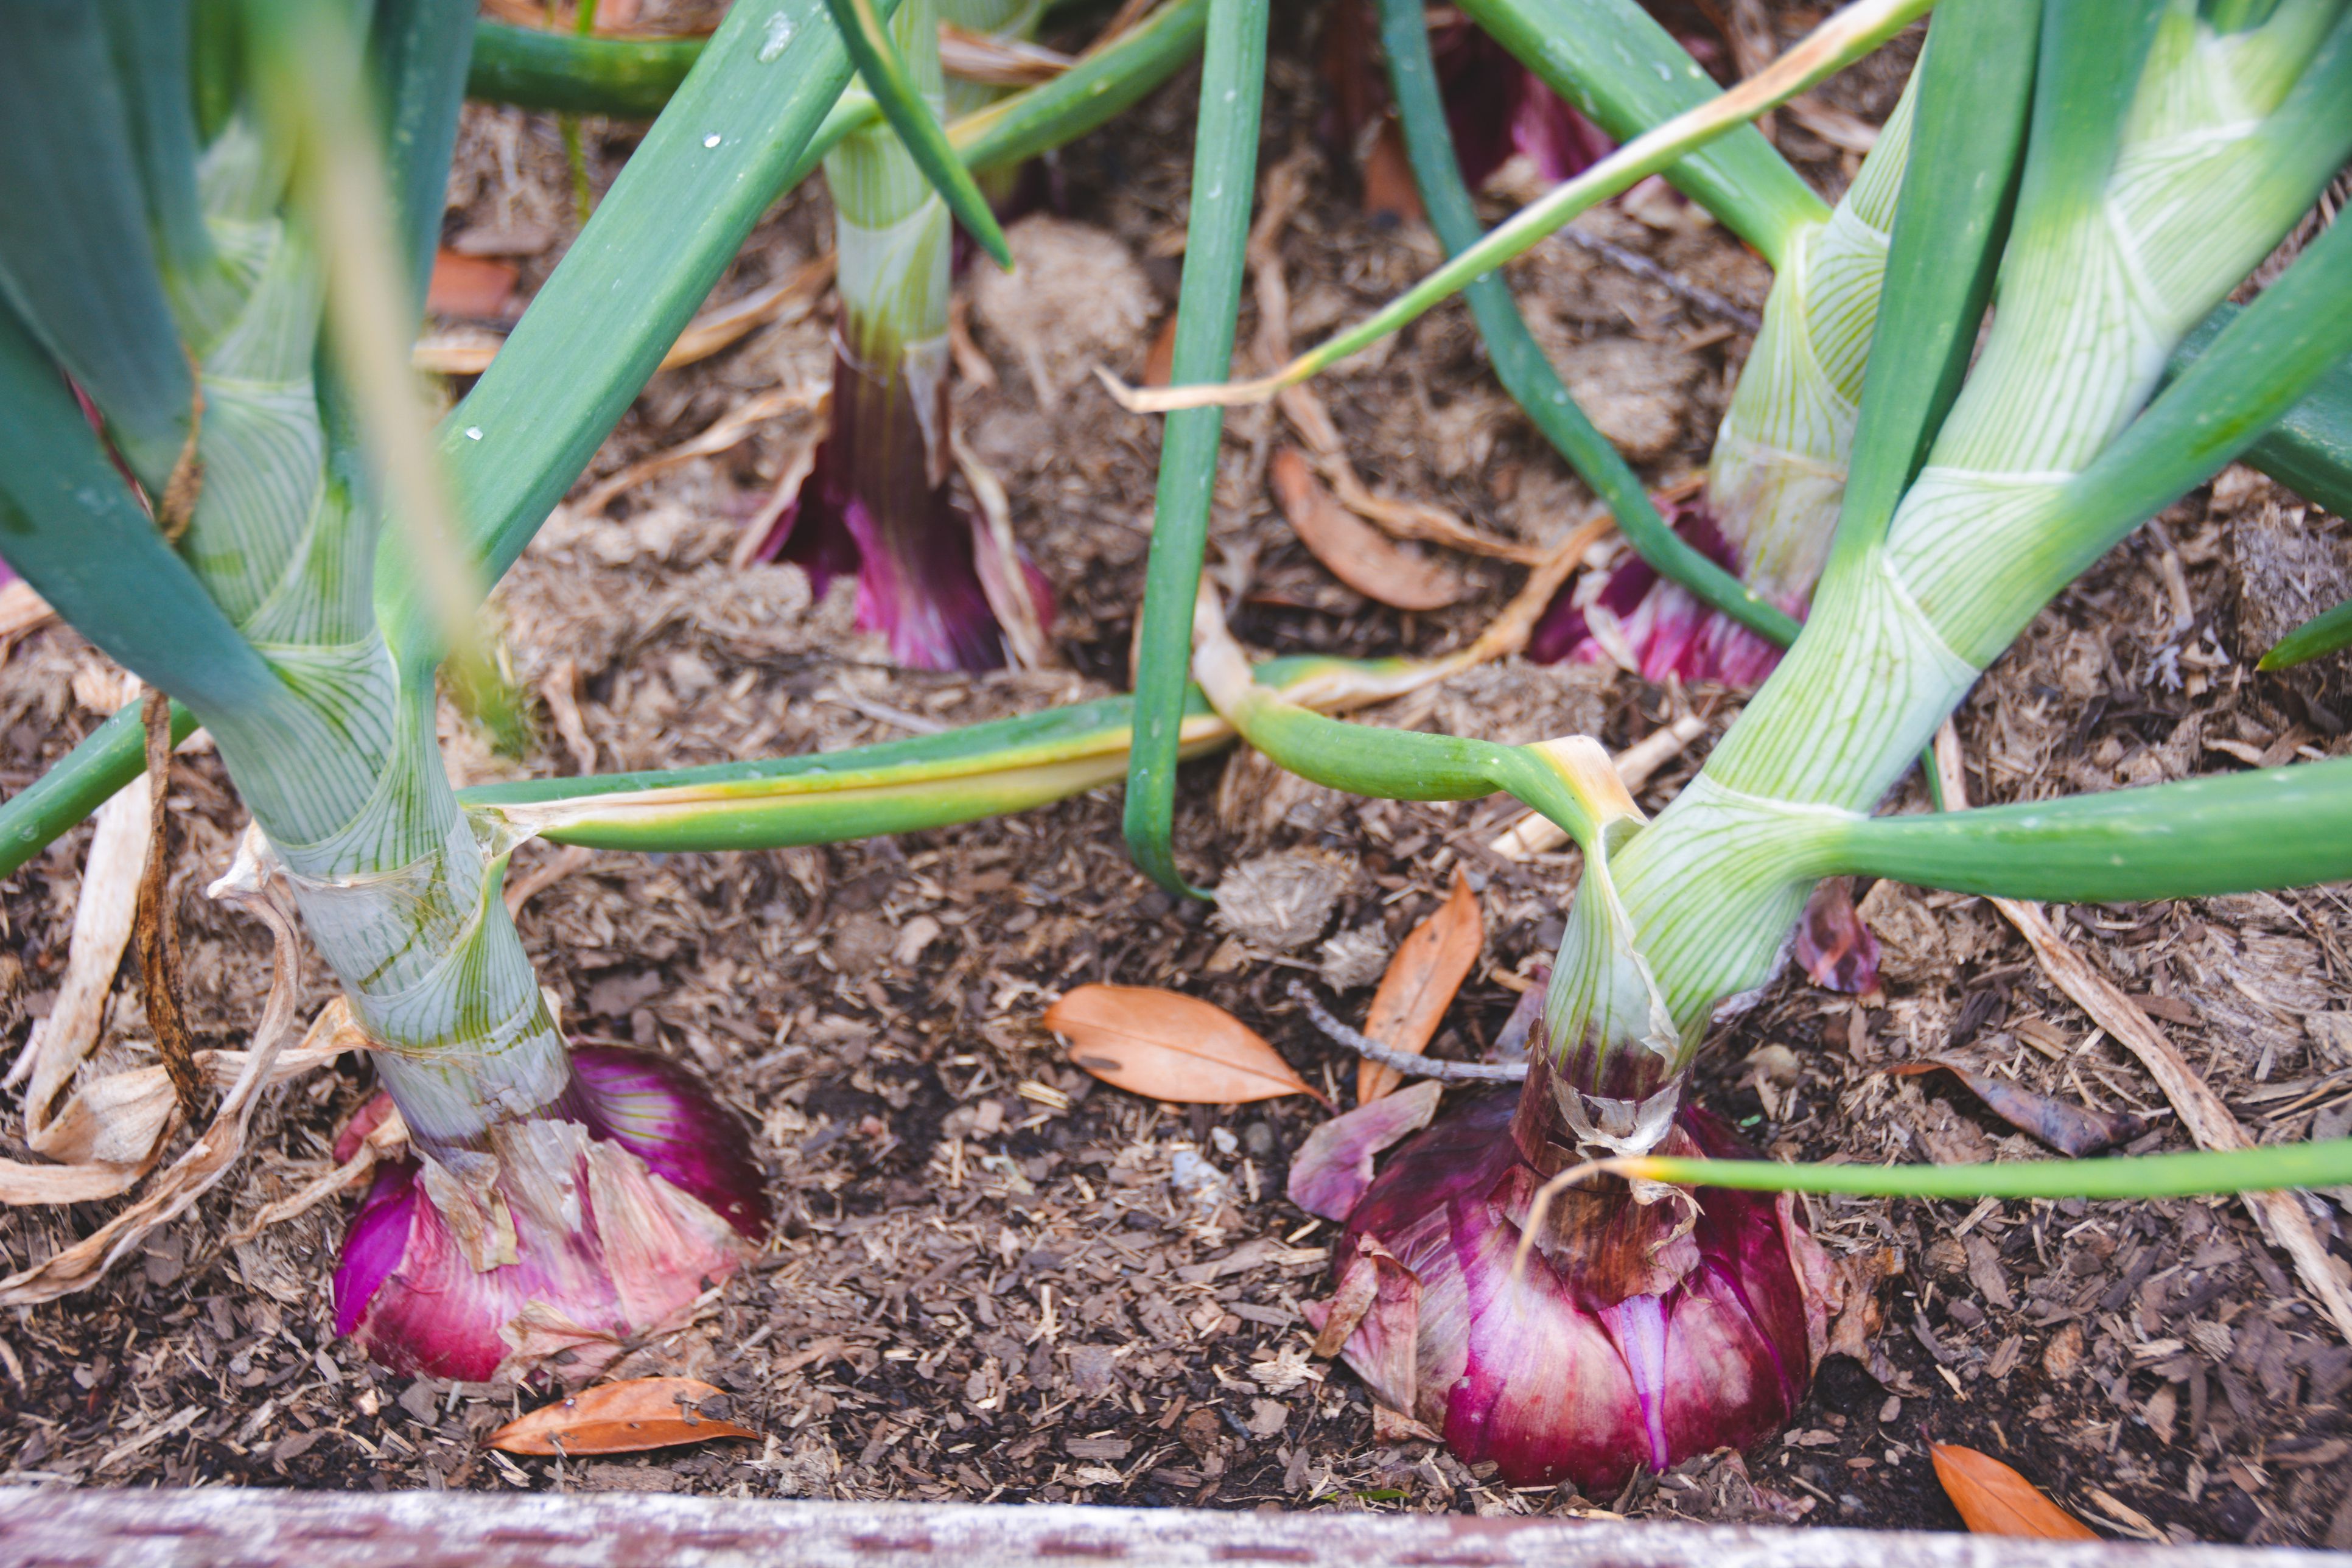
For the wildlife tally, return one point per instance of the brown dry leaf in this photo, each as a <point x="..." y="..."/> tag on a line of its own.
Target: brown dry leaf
<point x="248" y="886"/>
<point x="1389" y="189"/>
<point x="619" y="1418"/>
<point x="102" y="930"/>
<point x="1994" y="1500"/>
<point x="1171" y="1047"/>
<point x="469" y="285"/>
<point x="1000" y="62"/>
<point x="1428" y="969"/>
<point x="1158" y="362"/>
<point x="1353" y="550"/>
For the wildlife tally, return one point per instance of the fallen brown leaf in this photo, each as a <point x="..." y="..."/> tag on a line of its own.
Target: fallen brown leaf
<point x="1429" y="967"/>
<point x="103" y="919"/>
<point x="470" y="285"/>
<point x="1171" y="1047"/>
<point x="1994" y="1500"/>
<point x="619" y="1418"/>
<point x="1352" y="550"/>
<point x="1389" y="190"/>
<point x="1158" y="364"/>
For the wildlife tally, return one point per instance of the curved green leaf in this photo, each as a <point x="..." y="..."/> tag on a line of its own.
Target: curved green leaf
<point x="1967" y="142"/>
<point x="2226" y="833"/>
<point x="77" y="260"/>
<point x="72" y="529"/>
<point x="2323" y="1164"/>
<point x="2309" y="451"/>
<point x="85" y="779"/>
<point x="530" y="68"/>
<point x="2320" y="636"/>
<point x="1098" y="88"/>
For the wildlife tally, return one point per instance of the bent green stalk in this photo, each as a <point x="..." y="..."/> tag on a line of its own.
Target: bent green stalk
<point x="532" y="67"/>
<point x="896" y="787"/>
<point x="2229" y="833"/>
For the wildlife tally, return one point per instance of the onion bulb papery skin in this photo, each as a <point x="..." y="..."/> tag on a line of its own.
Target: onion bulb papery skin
<point x="1619" y="1343"/>
<point x="601" y="1223"/>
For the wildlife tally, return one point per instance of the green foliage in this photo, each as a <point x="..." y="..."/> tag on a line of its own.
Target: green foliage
<point x="1224" y="180"/>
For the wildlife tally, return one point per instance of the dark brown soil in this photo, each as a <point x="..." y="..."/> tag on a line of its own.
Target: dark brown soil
<point x="982" y="1285"/>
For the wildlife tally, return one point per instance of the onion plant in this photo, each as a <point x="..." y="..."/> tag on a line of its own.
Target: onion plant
<point x="2105" y="176"/>
<point x="215" y="468"/>
<point x="877" y="500"/>
<point x="1770" y="499"/>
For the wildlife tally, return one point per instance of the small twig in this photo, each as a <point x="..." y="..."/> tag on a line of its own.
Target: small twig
<point x="913" y="724"/>
<point x="154" y="927"/>
<point x="1673" y="283"/>
<point x="1411" y="1066"/>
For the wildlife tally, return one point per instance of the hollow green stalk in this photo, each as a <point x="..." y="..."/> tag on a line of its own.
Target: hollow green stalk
<point x="2323" y="1164"/>
<point x="626" y="79"/>
<point x="1224" y="181"/>
<point x="899" y="787"/>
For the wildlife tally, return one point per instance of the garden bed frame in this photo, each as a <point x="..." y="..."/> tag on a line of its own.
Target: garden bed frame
<point x="228" y="1528"/>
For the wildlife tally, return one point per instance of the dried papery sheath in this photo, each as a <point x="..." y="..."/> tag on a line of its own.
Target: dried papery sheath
<point x="569" y="1233"/>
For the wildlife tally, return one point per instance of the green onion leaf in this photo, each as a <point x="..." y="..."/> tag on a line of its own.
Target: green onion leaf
<point x="2310" y="450"/>
<point x="625" y="79"/>
<point x="76" y="257"/>
<point x="2269" y="1168"/>
<point x="1967" y="141"/>
<point x="2224" y="833"/>
<point x="1224" y="182"/>
<point x="73" y="530"/>
<point x="86" y="778"/>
